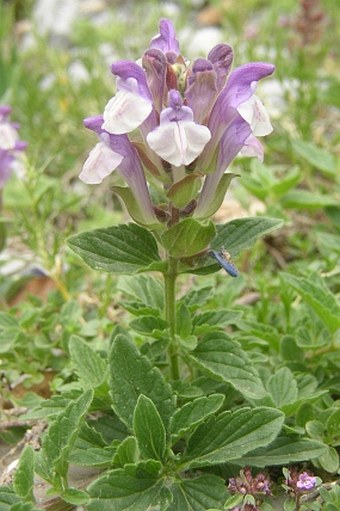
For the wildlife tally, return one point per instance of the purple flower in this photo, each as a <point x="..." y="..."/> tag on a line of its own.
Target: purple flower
<point x="177" y="124"/>
<point x="10" y="146"/>
<point x="298" y="482"/>
<point x="306" y="482"/>
<point x="178" y="118"/>
<point x="117" y="152"/>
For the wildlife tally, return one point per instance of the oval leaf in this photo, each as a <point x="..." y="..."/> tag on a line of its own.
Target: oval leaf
<point x="242" y="233"/>
<point x="132" y="375"/>
<point x="149" y="429"/>
<point x="222" y="359"/>
<point x="122" y="249"/>
<point x="231" y="435"/>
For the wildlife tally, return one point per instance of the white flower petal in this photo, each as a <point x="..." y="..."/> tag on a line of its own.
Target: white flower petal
<point x="179" y="143"/>
<point x="252" y="147"/>
<point x="254" y="112"/>
<point x="8" y="136"/>
<point x="125" y="112"/>
<point x="100" y="163"/>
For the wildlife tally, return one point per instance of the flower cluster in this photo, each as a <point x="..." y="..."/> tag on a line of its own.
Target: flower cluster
<point x="246" y="484"/>
<point x="299" y="482"/>
<point x="10" y="145"/>
<point x="175" y="127"/>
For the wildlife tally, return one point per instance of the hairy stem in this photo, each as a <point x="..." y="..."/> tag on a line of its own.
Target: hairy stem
<point x="170" y="315"/>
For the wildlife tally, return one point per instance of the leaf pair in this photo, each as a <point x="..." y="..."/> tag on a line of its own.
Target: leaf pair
<point x="132" y="249"/>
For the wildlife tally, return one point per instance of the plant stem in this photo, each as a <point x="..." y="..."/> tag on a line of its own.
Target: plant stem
<point x="170" y="315"/>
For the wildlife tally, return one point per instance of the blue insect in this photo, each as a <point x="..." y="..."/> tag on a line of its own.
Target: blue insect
<point x="224" y="260"/>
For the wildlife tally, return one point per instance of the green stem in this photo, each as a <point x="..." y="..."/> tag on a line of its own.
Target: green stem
<point x="170" y="315"/>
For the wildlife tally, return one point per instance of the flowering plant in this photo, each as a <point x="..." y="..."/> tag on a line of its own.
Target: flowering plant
<point x="182" y="397"/>
<point x="10" y="156"/>
<point x="10" y="145"/>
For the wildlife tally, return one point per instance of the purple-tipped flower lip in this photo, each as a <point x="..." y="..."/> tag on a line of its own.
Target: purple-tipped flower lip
<point x="127" y="69"/>
<point x="5" y="110"/>
<point x="166" y="40"/>
<point x="94" y="123"/>
<point x="20" y="145"/>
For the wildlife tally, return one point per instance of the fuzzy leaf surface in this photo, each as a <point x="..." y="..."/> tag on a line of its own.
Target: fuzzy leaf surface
<point x="188" y="237"/>
<point x="242" y="233"/>
<point x="198" y="494"/>
<point x="284" y="450"/>
<point x="127" y="452"/>
<point x="319" y="297"/>
<point x="125" y="490"/>
<point x="61" y="436"/>
<point x="193" y="413"/>
<point x="149" y="429"/>
<point x="89" y="366"/>
<point x="132" y="374"/>
<point x="120" y="249"/>
<point x="231" y="435"/>
<point x="222" y="359"/>
<point x="23" y="479"/>
<point x="143" y="288"/>
<point x="283" y="387"/>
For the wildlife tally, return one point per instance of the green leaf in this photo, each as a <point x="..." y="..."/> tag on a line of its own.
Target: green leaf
<point x="149" y="429"/>
<point x="60" y="438"/>
<point x="145" y="289"/>
<point x="287" y="181"/>
<point x="23" y="479"/>
<point x="9" y="332"/>
<point x="329" y="460"/>
<point x="187" y="238"/>
<point x="232" y="501"/>
<point x="333" y="424"/>
<point x="194" y="413"/>
<point x="282" y="451"/>
<point x="198" y="494"/>
<point x="242" y="233"/>
<point x="213" y="318"/>
<point x="48" y="408"/>
<point x="7" y="498"/>
<point x="132" y="375"/>
<point x="318" y="157"/>
<point x="231" y="435"/>
<point x="93" y="456"/>
<point x="120" y="490"/>
<point x="127" y="452"/>
<point x="216" y="203"/>
<point x="327" y="242"/>
<point x="315" y="429"/>
<point x="89" y="366"/>
<point x="149" y="324"/>
<point x="121" y="249"/>
<point x="184" y="191"/>
<point x="222" y="358"/>
<point x="283" y="387"/>
<point x="90" y="449"/>
<point x="183" y="321"/>
<point x="305" y="199"/>
<point x="75" y="496"/>
<point x="289" y="350"/>
<point x="319" y="297"/>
